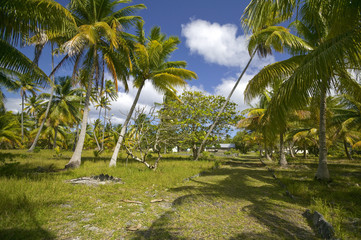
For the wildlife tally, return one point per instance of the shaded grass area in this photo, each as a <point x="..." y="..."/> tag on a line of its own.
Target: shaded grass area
<point x="339" y="200"/>
<point x="232" y="199"/>
<point x="238" y="201"/>
<point x="37" y="203"/>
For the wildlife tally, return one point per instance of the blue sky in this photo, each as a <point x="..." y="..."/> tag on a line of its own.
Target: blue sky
<point x="212" y="43"/>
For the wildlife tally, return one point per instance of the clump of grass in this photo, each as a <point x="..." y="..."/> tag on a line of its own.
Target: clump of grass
<point x="339" y="201"/>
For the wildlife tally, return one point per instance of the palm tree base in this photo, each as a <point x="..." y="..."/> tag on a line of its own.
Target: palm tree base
<point x="322" y="172"/>
<point x="72" y="165"/>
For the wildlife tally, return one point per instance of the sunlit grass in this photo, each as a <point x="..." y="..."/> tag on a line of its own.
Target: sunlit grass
<point x="37" y="203"/>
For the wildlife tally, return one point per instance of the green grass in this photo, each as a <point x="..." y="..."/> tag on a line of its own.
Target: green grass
<point x="37" y="203"/>
<point x="339" y="200"/>
<point x="232" y="199"/>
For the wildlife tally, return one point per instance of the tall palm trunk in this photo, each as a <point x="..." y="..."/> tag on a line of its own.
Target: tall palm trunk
<point x="113" y="160"/>
<point x="75" y="160"/>
<point x="49" y="104"/>
<point x="346" y="150"/>
<point x="283" y="161"/>
<point x="22" y="115"/>
<point x="304" y="151"/>
<point x="103" y="133"/>
<point x="224" y="106"/>
<point x="322" y="170"/>
<point x="266" y="152"/>
<point x="55" y="136"/>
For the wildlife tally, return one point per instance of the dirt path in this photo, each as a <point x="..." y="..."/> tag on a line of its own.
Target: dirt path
<point x="241" y="200"/>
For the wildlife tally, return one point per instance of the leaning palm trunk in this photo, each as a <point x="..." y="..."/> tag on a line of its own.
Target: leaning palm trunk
<point x="322" y="170"/>
<point x="75" y="160"/>
<point x="103" y="132"/>
<point x="22" y="117"/>
<point x="283" y="161"/>
<point x="113" y="160"/>
<point x="223" y="107"/>
<point x="346" y="150"/>
<point x="49" y="104"/>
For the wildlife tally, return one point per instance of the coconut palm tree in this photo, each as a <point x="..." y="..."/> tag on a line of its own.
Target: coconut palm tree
<point x="40" y="15"/>
<point x="25" y="85"/>
<point x="254" y="120"/>
<point x="98" y="36"/>
<point x="150" y="63"/>
<point x="64" y="106"/>
<point x="9" y="130"/>
<point x="333" y="29"/>
<point x="347" y="118"/>
<point x="263" y="39"/>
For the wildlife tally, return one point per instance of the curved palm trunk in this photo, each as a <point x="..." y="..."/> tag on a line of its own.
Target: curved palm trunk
<point x="103" y="133"/>
<point x="75" y="160"/>
<point x="283" y="161"/>
<point x="32" y="147"/>
<point x="223" y="107"/>
<point x="304" y="151"/>
<point x="346" y="150"/>
<point x="55" y="137"/>
<point x="266" y="152"/>
<point x="322" y="170"/>
<point x="22" y="117"/>
<point x="113" y="160"/>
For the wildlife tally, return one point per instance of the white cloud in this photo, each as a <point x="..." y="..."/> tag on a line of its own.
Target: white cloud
<point x="220" y="44"/>
<point x="121" y="106"/>
<point x="13" y="104"/>
<point x="226" y="86"/>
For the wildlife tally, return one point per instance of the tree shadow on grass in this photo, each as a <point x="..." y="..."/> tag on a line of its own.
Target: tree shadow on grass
<point x="24" y="234"/>
<point x="24" y="208"/>
<point x="245" y="181"/>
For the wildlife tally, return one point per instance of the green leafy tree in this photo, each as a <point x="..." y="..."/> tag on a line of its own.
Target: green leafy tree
<point x="263" y="39"/>
<point x="64" y="106"/>
<point x="97" y="36"/>
<point x="10" y="130"/>
<point x="333" y="30"/>
<point x="195" y="113"/>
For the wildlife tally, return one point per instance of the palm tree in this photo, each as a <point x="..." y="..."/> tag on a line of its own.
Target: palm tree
<point x="32" y="106"/>
<point x="150" y="62"/>
<point x="97" y="37"/>
<point x="9" y="130"/>
<point x="333" y="29"/>
<point x="39" y="15"/>
<point x="347" y="118"/>
<point x="64" y="106"/>
<point x="25" y="85"/>
<point x="264" y="38"/>
<point x="254" y="121"/>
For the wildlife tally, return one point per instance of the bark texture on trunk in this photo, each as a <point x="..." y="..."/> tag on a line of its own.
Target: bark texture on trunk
<point x="55" y="136"/>
<point x="346" y="150"/>
<point x="223" y="107"/>
<point x="195" y="152"/>
<point x="113" y="160"/>
<point x="322" y="170"/>
<point x="75" y="160"/>
<point x="49" y="103"/>
<point x="283" y="161"/>
<point x="266" y="153"/>
<point x="22" y="118"/>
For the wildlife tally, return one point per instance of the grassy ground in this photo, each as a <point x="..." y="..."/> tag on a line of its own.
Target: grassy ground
<point x="338" y="200"/>
<point x="238" y="200"/>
